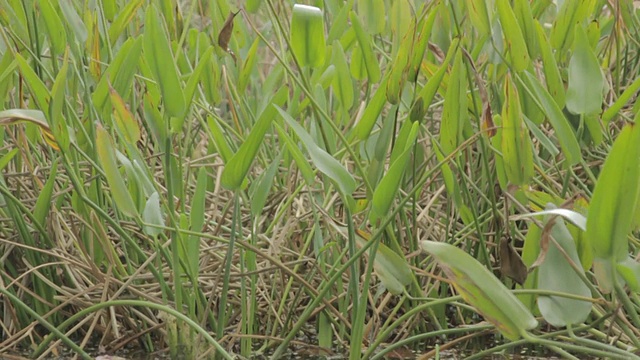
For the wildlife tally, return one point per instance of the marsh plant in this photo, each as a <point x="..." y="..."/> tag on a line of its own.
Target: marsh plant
<point x="220" y="178"/>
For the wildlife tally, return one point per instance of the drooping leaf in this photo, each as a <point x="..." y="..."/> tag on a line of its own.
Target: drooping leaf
<point x="481" y="289"/>
<point x="326" y="163"/>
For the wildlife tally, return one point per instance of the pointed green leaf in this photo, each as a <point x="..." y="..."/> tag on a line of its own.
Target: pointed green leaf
<point x="390" y="184"/>
<point x="517" y="151"/>
<point x="107" y="157"/>
<point x="454" y="114"/>
<point x="610" y="218"/>
<point x="237" y="167"/>
<point x="342" y="84"/>
<point x="364" y="40"/>
<point x="584" y="93"/>
<point x="160" y="58"/>
<point x="559" y="122"/>
<point x="555" y="86"/>
<point x="307" y="35"/>
<point x="513" y="35"/>
<point x="326" y="163"/>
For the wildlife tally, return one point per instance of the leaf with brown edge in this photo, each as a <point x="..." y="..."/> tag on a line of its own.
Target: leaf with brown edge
<point x="225" y="33"/>
<point x="14" y="116"/>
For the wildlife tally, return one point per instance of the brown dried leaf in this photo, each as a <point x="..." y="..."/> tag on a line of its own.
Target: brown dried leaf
<point x="225" y="33"/>
<point x="511" y="263"/>
<point x="487" y="121"/>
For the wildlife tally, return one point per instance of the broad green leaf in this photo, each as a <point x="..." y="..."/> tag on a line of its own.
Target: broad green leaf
<point x="364" y="40"/>
<point x="342" y="84"/>
<point x="237" y="167"/>
<point x="55" y="32"/>
<point x="399" y="16"/>
<point x="371" y="112"/>
<point x="107" y="157"/>
<point x="555" y="273"/>
<point x="555" y="86"/>
<point x="126" y="124"/>
<point x="388" y="187"/>
<point x="517" y="152"/>
<point x="120" y="73"/>
<point x="522" y="11"/>
<point x="373" y="15"/>
<point x="160" y="58"/>
<point x="482" y="290"/>
<point x="326" y="163"/>
<point x="513" y="35"/>
<point x="358" y="68"/>
<point x="571" y="13"/>
<point x="559" y="122"/>
<point x="454" y="114"/>
<point x="307" y="35"/>
<point x="392" y="269"/>
<point x="56" y="117"/>
<point x="479" y="16"/>
<point x="152" y="215"/>
<point x="610" y="217"/>
<point x="584" y="93"/>
<point x="43" y="204"/>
